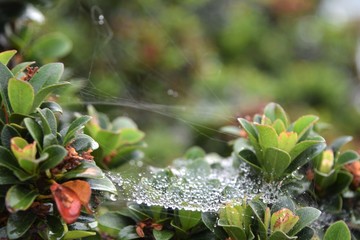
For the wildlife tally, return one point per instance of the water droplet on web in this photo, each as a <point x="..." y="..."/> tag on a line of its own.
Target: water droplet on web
<point x="184" y="187"/>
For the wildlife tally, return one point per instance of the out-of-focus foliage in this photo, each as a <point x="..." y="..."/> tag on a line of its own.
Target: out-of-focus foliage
<point x="209" y="56"/>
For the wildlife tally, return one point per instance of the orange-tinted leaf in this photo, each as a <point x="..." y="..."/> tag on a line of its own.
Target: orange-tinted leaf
<point x="82" y="189"/>
<point x="67" y="202"/>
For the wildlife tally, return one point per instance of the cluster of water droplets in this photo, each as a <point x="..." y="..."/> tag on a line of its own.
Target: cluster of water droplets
<point x="198" y="185"/>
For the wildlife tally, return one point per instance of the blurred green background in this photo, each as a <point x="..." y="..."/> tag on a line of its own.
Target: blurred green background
<point x="181" y="69"/>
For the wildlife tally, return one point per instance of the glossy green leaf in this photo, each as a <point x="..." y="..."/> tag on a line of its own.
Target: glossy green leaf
<point x="53" y="106"/>
<point x="108" y="141"/>
<point x="75" y="126"/>
<point x="48" y="121"/>
<point x="234" y="232"/>
<point x="210" y="221"/>
<point x="337" y="230"/>
<point x="346" y="157"/>
<point x="267" y="136"/>
<point x="19" y="223"/>
<point x="259" y="209"/>
<point x="5" y="75"/>
<point x="188" y="219"/>
<point x="7" y="133"/>
<point x="302" y="146"/>
<point x="21" y="96"/>
<point x="275" y="162"/>
<point x="306" y="234"/>
<point x="283" y="202"/>
<point x="343" y="181"/>
<point x="278" y="235"/>
<point x="279" y="126"/>
<point x="7" y="177"/>
<point x="83" y="142"/>
<point x="163" y="234"/>
<point x="49" y="140"/>
<point x="274" y="111"/>
<point x="305" y="156"/>
<point x="6" y="56"/>
<point x="250" y="157"/>
<point x="35" y="131"/>
<point x="19" y="198"/>
<point x="339" y="142"/>
<point x="248" y="127"/>
<point x="102" y="184"/>
<point x="87" y="169"/>
<point x="55" y="228"/>
<point x="303" y="124"/>
<point x="56" y="154"/>
<point x="48" y="74"/>
<point x="7" y="160"/>
<point x="76" y="234"/>
<point x="307" y="215"/>
<point x="113" y="222"/>
<point x="45" y="91"/>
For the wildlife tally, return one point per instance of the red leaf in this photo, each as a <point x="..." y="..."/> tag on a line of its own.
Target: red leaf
<point x="67" y="202"/>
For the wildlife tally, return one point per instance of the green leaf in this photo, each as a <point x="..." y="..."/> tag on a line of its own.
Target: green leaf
<point x="306" y="234"/>
<point x="275" y="162"/>
<point x="275" y="111"/>
<point x="113" y="222"/>
<point x="339" y="142"/>
<point x="35" y="131"/>
<point x="53" y="106"/>
<point x="250" y="157"/>
<point x="102" y="184"/>
<point x="258" y="209"/>
<point x="45" y="91"/>
<point x="7" y="160"/>
<point x="337" y="230"/>
<point x="283" y="202"/>
<point x="76" y="234"/>
<point x="234" y="232"/>
<point x="307" y="215"/>
<point x="19" y="197"/>
<point x="48" y="74"/>
<point x="279" y="126"/>
<point x="194" y="153"/>
<point x="302" y="146"/>
<point x="283" y="220"/>
<point x="188" y="219"/>
<point x="48" y="121"/>
<point x="7" y="177"/>
<point x="210" y="221"/>
<point x="6" y="56"/>
<point x="268" y="137"/>
<point x="5" y="75"/>
<point x="280" y="236"/>
<point x="56" y="155"/>
<point x="303" y="124"/>
<point x="19" y="223"/>
<point x="74" y="127"/>
<point x="343" y="180"/>
<point x="130" y="136"/>
<point x="51" y="46"/>
<point x="55" y="229"/>
<point x="123" y="122"/>
<point x="87" y="169"/>
<point x="346" y="157"/>
<point x="7" y="133"/>
<point x="248" y="127"/>
<point x="163" y="234"/>
<point x="83" y="142"/>
<point x="306" y="156"/>
<point x="128" y="233"/>
<point x="21" y="96"/>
